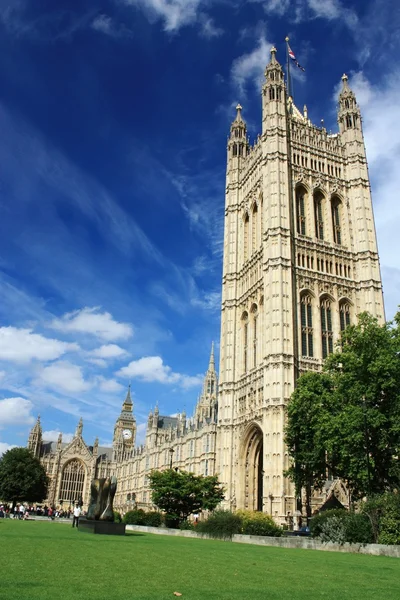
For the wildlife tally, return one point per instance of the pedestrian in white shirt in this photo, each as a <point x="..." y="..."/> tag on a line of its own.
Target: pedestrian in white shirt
<point x="77" y="514"/>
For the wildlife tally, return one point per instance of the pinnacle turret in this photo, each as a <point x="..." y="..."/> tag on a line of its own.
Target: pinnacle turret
<point x="79" y="428"/>
<point x="349" y="116"/>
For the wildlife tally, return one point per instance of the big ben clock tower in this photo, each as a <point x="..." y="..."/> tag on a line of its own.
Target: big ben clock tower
<point x="124" y="430"/>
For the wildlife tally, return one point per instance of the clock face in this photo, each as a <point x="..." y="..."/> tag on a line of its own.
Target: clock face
<point x="127" y="434"/>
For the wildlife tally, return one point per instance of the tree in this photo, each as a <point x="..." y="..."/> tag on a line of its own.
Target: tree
<point x="363" y="434"/>
<point x="22" y="477"/>
<point x="303" y="434"/>
<point x="181" y="494"/>
<point x="350" y="413"/>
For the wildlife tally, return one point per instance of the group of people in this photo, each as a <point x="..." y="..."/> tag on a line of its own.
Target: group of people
<point x="26" y="511"/>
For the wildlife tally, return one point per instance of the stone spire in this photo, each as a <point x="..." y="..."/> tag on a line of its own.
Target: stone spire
<point x="35" y="438"/>
<point x="79" y="428"/>
<point x="128" y="404"/>
<point x="238" y="127"/>
<point x="211" y="364"/>
<point x="349" y="116"/>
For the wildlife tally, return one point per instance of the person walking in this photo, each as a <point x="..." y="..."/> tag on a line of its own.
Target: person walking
<point x="77" y="514"/>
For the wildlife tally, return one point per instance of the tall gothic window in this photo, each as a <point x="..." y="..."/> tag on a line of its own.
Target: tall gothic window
<point x="254" y="228"/>
<point x="337" y="232"/>
<point x="255" y="316"/>
<point x="344" y="311"/>
<point x="72" y="481"/>
<point x="307" y="346"/>
<point x="319" y="218"/>
<point x="326" y="327"/>
<point x="246" y="237"/>
<point x="301" y="215"/>
<point x="245" y="341"/>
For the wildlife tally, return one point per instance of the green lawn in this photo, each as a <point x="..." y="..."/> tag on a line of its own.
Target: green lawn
<point x="52" y="561"/>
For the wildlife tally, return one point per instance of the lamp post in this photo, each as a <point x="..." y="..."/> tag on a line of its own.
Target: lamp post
<point x="171" y="453"/>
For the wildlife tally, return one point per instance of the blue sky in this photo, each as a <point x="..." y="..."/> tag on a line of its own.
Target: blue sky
<point x="113" y="118"/>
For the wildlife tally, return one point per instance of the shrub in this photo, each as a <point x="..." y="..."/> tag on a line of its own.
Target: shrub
<point x="384" y="514"/>
<point x="135" y="517"/>
<point x="333" y="530"/>
<point x="117" y="517"/>
<point x="186" y="525"/>
<point x="389" y="530"/>
<point x="221" y="524"/>
<point x="318" y="520"/>
<point x="258" y="523"/>
<point x="358" y="529"/>
<point x="153" y="519"/>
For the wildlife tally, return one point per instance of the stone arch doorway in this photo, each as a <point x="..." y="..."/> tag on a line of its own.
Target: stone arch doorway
<point x="252" y="468"/>
<point x="72" y="481"/>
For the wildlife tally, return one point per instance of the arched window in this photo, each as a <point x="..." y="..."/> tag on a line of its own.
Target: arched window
<point x="254" y="228"/>
<point x="246" y="237"/>
<point x="319" y="218"/>
<point x="344" y="311"/>
<point x="245" y="321"/>
<point x="72" y="481"/>
<point x="255" y="315"/>
<point x="300" y="211"/>
<point x="307" y="347"/>
<point x="337" y="231"/>
<point x="326" y="327"/>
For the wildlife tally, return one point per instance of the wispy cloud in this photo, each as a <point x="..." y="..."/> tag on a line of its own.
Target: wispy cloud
<point x="22" y="345"/>
<point x="108" y="26"/>
<point x="250" y="67"/>
<point x="94" y="322"/>
<point x="173" y="13"/>
<point x="153" y="369"/>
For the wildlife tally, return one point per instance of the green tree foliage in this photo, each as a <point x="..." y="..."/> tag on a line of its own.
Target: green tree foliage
<point x="22" y="477"/>
<point x="384" y="514"/>
<point x="350" y="413"/>
<point x="304" y="433"/>
<point x="181" y="494"/>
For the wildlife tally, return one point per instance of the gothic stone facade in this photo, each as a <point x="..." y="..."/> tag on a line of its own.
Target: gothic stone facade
<point x="187" y="444"/>
<point x="300" y="262"/>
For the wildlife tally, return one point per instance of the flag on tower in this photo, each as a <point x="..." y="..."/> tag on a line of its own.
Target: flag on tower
<point x="294" y="59"/>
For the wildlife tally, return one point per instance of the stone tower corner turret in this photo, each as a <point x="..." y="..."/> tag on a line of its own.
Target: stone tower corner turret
<point x="35" y="438"/>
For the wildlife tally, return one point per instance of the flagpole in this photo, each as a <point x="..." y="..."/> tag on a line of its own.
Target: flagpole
<point x="288" y="67"/>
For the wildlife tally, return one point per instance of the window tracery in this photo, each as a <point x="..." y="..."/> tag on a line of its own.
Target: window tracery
<point x="300" y="211"/>
<point x="344" y="312"/>
<point x="307" y="345"/>
<point x="326" y="327"/>
<point x="72" y="481"/>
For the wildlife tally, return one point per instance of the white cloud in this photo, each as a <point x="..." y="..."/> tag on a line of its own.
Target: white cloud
<point x="208" y="27"/>
<point x="90" y="320"/>
<point x="99" y="362"/>
<point x="251" y="66"/>
<point x="174" y="13"/>
<point x="15" y="411"/>
<point x="152" y="368"/>
<point x="22" y="345"/>
<point x="108" y="351"/>
<point x="64" y="376"/>
<point x="333" y="9"/>
<point x="4" y="447"/>
<point x="105" y="24"/>
<point x="109" y="385"/>
<point x="52" y="436"/>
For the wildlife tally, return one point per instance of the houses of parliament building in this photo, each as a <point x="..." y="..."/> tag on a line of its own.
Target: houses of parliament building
<point x="300" y="262"/>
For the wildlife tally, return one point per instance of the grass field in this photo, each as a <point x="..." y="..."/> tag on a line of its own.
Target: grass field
<point x="52" y="561"/>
